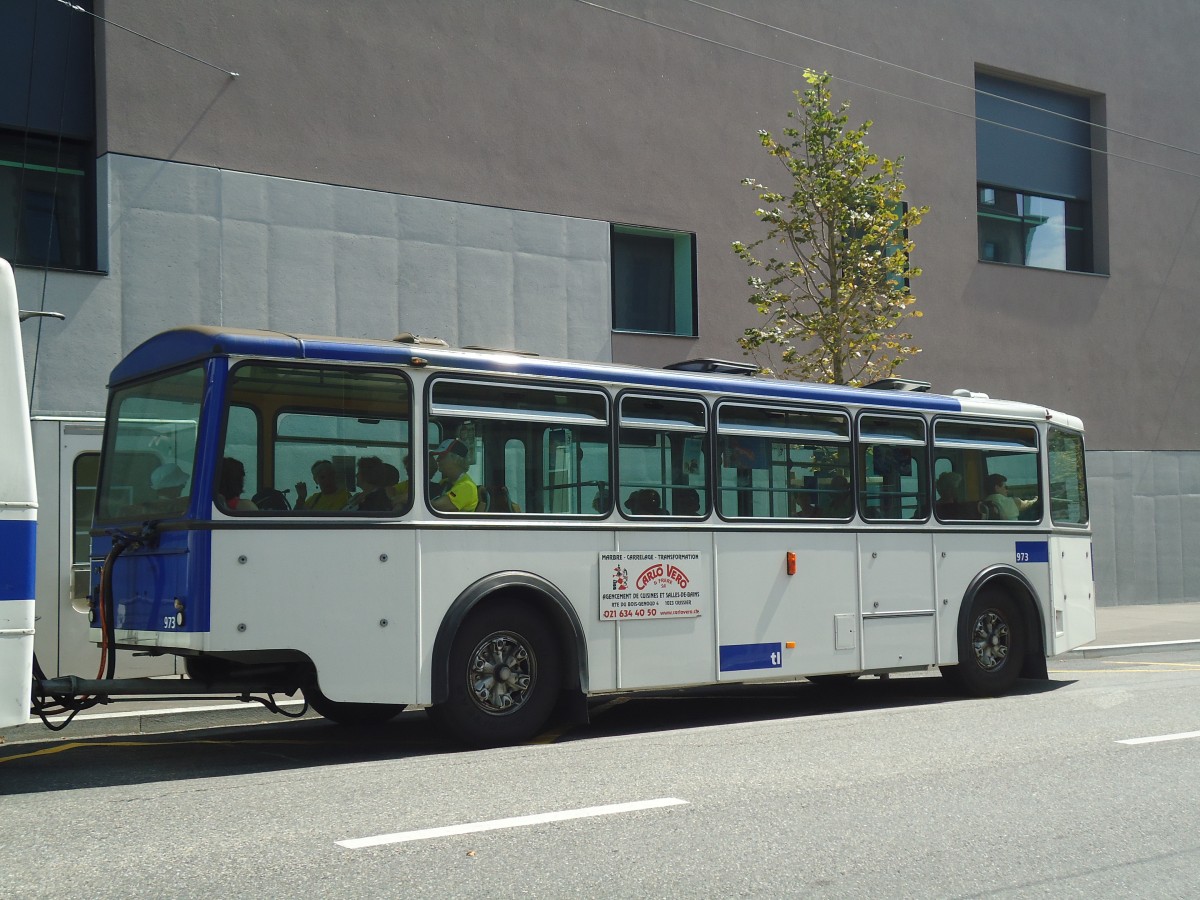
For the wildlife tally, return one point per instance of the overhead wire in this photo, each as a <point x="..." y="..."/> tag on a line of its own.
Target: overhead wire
<point x="947" y="81"/>
<point x="87" y="12"/>
<point x="870" y="87"/>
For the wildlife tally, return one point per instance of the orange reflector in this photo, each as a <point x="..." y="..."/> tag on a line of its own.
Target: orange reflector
<point x="791" y="645"/>
<point x="791" y="563"/>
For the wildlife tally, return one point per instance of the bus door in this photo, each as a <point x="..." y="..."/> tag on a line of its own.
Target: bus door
<point x="67" y="457"/>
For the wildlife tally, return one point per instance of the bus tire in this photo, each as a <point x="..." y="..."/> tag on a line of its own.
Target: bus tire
<point x="505" y="676"/>
<point x="991" y="646"/>
<point x="351" y="714"/>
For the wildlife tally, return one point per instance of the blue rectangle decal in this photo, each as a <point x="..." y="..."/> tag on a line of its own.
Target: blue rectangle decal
<point x="16" y="563"/>
<point x="740" y="657"/>
<point x="1033" y="551"/>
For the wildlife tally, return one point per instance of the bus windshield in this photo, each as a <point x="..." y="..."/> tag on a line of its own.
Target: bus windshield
<point x="150" y="448"/>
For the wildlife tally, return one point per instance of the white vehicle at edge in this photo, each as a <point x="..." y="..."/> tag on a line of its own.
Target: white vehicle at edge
<point x="18" y="514"/>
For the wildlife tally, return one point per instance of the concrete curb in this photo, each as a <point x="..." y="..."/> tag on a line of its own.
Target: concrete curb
<point x="149" y="721"/>
<point x="1095" y="651"/>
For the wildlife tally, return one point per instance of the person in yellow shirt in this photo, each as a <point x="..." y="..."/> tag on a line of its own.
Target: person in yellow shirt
<point x="330" y="495"/>
<point x="460" y="493"/>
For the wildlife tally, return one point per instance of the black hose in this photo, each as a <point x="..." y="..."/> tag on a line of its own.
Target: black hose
<point x="121" y="541"/>
<point x="42" y="704"/>
<point x="108" y="614"/>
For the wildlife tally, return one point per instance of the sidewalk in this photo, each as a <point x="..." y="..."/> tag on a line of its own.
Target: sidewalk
<point x="1144" y="627"/>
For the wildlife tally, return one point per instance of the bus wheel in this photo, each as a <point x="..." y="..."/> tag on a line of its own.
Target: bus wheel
<point x="991" y="646"/>
<point x="352" y="714"/>
<point x="505" y="677"/>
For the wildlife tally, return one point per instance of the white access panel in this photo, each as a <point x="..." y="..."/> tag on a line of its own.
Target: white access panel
<point x="1073" y="592"/>
<point x="759" y="605"/>
<point x="344" y="597"/>
<point x="898" y="606"/>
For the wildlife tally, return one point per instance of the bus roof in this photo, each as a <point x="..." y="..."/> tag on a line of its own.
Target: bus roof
<point x="171" y="349"/>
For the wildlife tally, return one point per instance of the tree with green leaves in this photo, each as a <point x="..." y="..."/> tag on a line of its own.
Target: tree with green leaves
<point x="833" y="269"/>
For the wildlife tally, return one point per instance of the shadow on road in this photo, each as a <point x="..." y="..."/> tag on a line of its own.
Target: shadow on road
<point x="63" y="764"/>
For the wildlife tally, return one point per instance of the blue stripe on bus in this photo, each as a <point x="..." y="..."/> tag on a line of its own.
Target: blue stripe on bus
<point x="1033" y="552"/>
<point x="740" y="657"/>
<point x="17" y="542"/>
<point x="173" y="348"/>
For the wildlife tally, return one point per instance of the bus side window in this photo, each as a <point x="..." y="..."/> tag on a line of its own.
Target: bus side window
<point x="661" y="458"/>
<point x="892" y="467"/>
<point x="778" y="462"/>
<point x="534" y="448"/>
<point x="982" y="452"/>
<point x="305" y="415"/>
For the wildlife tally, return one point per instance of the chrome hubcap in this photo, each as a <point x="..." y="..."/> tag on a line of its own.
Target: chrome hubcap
<point x="990" y="639"/>
<point x="501" y="673"/>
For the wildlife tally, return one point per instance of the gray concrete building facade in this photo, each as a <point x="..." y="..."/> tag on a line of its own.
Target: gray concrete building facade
<point x="465" y="169"/>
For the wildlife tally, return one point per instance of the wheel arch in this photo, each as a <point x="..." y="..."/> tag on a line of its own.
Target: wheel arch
<point x="1013" y="583"/>
<point x="525" y="587"/>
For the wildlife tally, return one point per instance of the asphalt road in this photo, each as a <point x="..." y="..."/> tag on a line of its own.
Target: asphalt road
<point x="888" y="789"/>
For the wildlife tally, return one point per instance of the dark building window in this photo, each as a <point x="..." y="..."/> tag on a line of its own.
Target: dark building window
<point x="1030" y="230"/>
<point x="1035" y="202"/>
<point x="47" y="136"/>
<point x="653" y="281"/>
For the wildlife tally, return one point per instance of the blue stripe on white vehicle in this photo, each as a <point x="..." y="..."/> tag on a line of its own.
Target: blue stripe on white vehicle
<point x="741" y="657"/>
<point x="16" y="566"/>
<point x="189" y="344"/>
<point x="1033" y="552"/>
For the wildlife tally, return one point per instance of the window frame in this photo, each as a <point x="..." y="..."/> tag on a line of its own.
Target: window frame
<point x="268" y="434"/>
<point x="703" y="431"/>
<point x="788" y="436"/>
<point x="684" y="312"/>
<point x="1037" y="140"/>
<point x="925" y="481"/>
<point x="432" y="411"/>
<point x="1078" y="436"/>
<point x="1009" y="448"/>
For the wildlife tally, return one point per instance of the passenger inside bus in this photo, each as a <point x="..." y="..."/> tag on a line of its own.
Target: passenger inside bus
<point x="400" y="491"/>
<point x="232" y="484"/>
<point x="687" y="502"/>
<point x="840" y="504"/>
<point x="801" y="498"/>
<point x="371" y="476"/>
<point x="950" y="503"/>
<point x="459" y="492"/>
<point x="495" y="498"/>
<point x="998" y="503"/>
<point x="330" y="496"/>
<point x="167" y="481"/>
<point x="645" y="502"/>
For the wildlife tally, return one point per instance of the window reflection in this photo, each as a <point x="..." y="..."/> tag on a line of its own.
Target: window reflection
<point x="1031" y="230"/>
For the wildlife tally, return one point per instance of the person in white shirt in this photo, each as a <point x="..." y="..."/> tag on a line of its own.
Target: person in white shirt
<point x="997" y="497"/>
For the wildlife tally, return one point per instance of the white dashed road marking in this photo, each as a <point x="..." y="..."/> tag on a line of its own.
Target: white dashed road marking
<point x="513" y="822"/>
<point x="1182" y="736"/>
